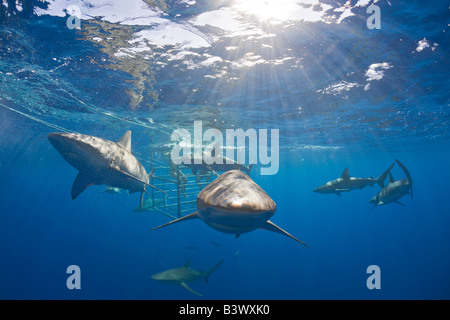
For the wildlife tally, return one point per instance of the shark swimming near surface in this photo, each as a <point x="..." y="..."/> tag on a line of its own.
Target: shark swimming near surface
<point x="395" y="189"/>
<point x="346" y="183"/>
<point x="182" y="275"/>
<point x="234" y="203"/>
<point x="100" y="161"/>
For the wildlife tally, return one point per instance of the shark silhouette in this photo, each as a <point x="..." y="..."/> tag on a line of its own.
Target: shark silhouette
<point x="395" y="189"/>
<point x="182" y="275"/>
<point x="234" y="203"/>
<point x="100" y="161"/>
<point x="346" y="183"/>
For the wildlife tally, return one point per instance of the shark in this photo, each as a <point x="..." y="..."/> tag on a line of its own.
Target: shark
<point x="182" y="275"/>
<point x="149" y="204"/>
<point x="395" y="189"/>
<point x="233" y="203"/>
<point x="346" y="183"/>
<point x="221" y="163"/>
<point x="113" y="190"/>
<point x="100" y="161"/>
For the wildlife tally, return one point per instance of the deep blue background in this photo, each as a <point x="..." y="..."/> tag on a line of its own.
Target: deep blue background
<point x="51" y="76"/>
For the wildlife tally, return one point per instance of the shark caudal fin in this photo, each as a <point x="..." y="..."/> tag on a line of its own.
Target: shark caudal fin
<point x="407" y="175"/>
<point x="211" y="270"/>
<point x="188" y="217"/>
<point x="270" y="226"/>
<point x="150" y="175"/>
<point x="382" y="177"/>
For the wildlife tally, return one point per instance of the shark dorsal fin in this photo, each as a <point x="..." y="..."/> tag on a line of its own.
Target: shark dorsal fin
<point x="391" y="178"/>
<point x="188" y="261"/>
<point x="216" y="147"/>
<point x="345" y="175"/>
<point x="125" y="141"/>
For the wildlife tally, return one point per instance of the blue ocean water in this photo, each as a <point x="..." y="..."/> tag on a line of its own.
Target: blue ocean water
<point x="341" y="95"/>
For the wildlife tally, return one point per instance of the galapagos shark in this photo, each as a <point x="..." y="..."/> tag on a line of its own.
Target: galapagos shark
<point x="100" y="161"/>
<point x="346" y="183"/>
<point x="395" y="189"/>
<point x="221" y="163"/>
<point x="234" y="203"/>
<point x="180" y="276"/>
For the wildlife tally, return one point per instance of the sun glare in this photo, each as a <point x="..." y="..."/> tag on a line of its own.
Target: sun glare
<point x="275" y="11"/>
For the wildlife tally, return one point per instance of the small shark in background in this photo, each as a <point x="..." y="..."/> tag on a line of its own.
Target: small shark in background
<point x="234" y="203"/>
<point x="395" y="189"/>
<point x="178" y="175"/>
<point x="149" y="204"/>
<point x="100" y="161"/>
<point x="221" y="163"/>
<point x="181" y="276"/>
<point x="113" y="190"/>
<point x="346" y="183"/>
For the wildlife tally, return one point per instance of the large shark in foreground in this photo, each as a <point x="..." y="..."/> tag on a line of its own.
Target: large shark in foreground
<point x="346" y="183"/>
<point x="395" y="189"/>
<point x="100" y="161"/>
<point x="234" y="203"/>
<point x="180" y="276"/>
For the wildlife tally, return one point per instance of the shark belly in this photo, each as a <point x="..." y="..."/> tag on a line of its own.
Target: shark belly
<point x="395" y="193"/>
<point x="233" y="221"/>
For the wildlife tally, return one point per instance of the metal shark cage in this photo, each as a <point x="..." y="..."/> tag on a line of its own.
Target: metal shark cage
<point x="181" y="187"/>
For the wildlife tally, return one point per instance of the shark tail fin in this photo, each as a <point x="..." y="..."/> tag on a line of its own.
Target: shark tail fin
<point x="211" y="270"/>
<point x="188" y="217"/>
<point x="270" y="226"/>
<point x="382" y="177"/>
<point x="407" y="175"/>
<point x="150" y="175"/>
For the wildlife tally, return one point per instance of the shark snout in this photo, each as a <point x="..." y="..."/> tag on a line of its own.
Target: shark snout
<point x="61" y="141"/>
<point x="318" y="189"/>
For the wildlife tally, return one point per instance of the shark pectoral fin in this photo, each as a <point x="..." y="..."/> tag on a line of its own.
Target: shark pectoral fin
<point x="188" y="217"/>
<point x="270" y="226"/>
<point x="400" y="203"/>
<point x="338" y="193"/>
<point x="81" y="183"/>
<point x="211" y="270"/>
<point x="184" y="285"/>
